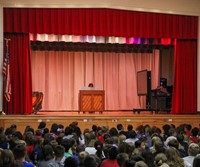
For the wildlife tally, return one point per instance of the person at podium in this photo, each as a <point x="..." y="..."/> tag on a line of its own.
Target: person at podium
<point x="91" y="87"/>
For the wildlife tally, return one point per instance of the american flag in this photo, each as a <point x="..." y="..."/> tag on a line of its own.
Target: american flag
<point x="6" y="72"/>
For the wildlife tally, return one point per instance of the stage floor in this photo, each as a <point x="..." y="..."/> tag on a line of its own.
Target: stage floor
<point x="107" y="118"/>
<point x="76" y="113"/>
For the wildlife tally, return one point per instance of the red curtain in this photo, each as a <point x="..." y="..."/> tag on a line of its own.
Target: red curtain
<point x="20" y="72"/>
<point x="185" y="81"/>
<point x="99" y="22"/>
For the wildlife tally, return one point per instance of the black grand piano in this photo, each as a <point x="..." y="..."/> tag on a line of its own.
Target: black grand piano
<point x="161" y="99"/>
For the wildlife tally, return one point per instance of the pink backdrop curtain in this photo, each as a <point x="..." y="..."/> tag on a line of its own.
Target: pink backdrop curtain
<point x="61" y="74"/>
<point x="110" y="22"/>
<point x="20" y="73"/>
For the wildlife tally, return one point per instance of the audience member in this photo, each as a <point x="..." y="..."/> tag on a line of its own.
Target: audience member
<point x="148" y="158"/>
<point x="47" y="158"/>
<point x="161" y="160"/>
<point x="196" y="161"/>
<point x="131" y="137"/>
<point x="194" y="135"/>
<point x="173" y="158"/>
<point x="82" y="156"/>
<point x="90" y="161"/>
<point x="193" y="150"/>
<point x="120" y="129"/>
<point x="122" y="159"/>
<point x="59" y="154"/>
<point x="111" y="161"/>
<point x="20" y="155"/>
<point x="98" y="145"/>
<point x="140" y="164"/>
<point x="3" y="141"/>
<point x="70" y="162"/>
<point x="6" y="158"/>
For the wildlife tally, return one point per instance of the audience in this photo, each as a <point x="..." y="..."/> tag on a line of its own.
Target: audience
<point x="100" y="146"/>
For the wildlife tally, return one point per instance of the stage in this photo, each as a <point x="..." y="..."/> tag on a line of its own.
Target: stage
<point x="107" y="118"/>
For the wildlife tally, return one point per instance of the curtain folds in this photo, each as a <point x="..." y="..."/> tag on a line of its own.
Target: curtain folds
<point x="61" y="74"/>
<point x="99" y="22"/>
<point x="20" y="72"/>
<point x="185" y="81"/>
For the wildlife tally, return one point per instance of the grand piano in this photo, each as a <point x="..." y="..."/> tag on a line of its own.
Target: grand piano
<point x="161" y="99"/>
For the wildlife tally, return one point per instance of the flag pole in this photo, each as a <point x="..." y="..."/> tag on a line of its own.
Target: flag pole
<point x="6" y="73"/>
<point x="7" y="40"/>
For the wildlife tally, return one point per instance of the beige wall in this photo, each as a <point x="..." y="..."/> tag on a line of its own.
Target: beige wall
<point x="189" y="7"/>
<point x="185" y="7"/>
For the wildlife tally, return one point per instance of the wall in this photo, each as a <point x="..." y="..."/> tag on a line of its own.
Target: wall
<point x="169" y="6"/>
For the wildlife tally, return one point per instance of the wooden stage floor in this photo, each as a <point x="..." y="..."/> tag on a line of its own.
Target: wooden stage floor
<point x="107" y="118"/>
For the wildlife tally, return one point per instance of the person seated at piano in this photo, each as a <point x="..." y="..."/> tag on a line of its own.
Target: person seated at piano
<point x="163" y="89"/>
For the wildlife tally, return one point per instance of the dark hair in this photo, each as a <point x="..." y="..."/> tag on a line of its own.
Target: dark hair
<point x="42" y="125"/>
<point x="113" y="151"/>
<point x="139" y="142"/>
<point x="90" y="161"/>
<point x="188" y="127"/>
<point x="173" y="143"/>
<point x="13" y="126"/>
<point x="68" y="130"/>
<point x="132" y="134"/>
<point x="94" y="128"/>
<point x="196" y="161"/>
<point x="18" y="135"/>
<point x="119" y="126"/>
<point x="71" y="162"/>
<point x="166" y="128"/>
<point x="149" y="158"/>
<point x="130" y="127"/>
<point x="113" y="132"/>
<point x="47" y="152"/>
<point x="59" y="151"/>
<point x="194" y="131"/>
<point x="19" y="151"/>
<point x="54" y="128"/>
<point x="90" y="85"/>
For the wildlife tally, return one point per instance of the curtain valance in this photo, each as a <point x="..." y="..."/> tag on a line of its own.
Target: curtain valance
<point x="99" y="22"/>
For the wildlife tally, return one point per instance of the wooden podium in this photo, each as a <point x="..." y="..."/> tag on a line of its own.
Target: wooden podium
<point x="91" y="101"/>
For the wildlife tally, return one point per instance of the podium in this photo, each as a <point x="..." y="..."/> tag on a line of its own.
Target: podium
<point x="91" y="101"/>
